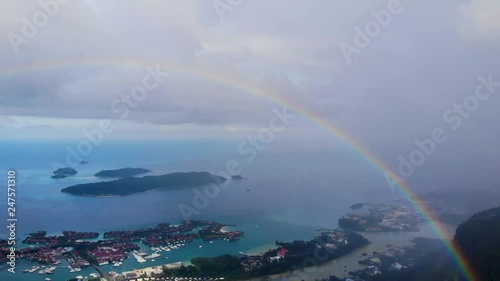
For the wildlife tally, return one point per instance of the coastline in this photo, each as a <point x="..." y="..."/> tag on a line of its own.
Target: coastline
<point x="118" y="195"/>
<point x="152" y="269"/>
<point x="340" y="267"/>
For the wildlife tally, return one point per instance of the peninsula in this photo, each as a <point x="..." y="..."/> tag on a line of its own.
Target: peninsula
<point x="131" y="185"/>
<point x="121" y="173"/>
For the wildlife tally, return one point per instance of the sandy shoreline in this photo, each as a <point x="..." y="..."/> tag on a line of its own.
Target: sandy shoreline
<point x="152" y="269"/>
<point x="225" y="229"/>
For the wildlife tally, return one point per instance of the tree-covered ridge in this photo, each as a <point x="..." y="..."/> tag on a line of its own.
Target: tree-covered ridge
<point x="479" y="238"/>
<point x="121" y="173"/>
<point x="288" y="256"/>
<point x="131" y="185"/>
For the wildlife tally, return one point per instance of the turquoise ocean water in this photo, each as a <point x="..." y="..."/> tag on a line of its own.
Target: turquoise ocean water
<point x="286" y="195"/>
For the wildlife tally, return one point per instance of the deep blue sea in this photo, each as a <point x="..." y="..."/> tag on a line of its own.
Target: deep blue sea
<point x="287" y="194"/>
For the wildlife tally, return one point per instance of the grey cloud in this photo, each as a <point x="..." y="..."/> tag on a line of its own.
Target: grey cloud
<point x="395" y="90"/>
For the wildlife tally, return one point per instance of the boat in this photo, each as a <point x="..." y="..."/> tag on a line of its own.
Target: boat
<point x="48" y="270"/>
<point x="117" y="264"/>
<point x="33" y="269"/>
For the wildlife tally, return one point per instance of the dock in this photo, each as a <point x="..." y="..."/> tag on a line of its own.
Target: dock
<point x="101" y="272"/>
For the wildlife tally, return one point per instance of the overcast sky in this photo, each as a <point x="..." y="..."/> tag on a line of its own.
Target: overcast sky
<point x="397" y="88"/>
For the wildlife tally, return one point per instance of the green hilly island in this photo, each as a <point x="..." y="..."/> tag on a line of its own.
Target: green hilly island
<point x="131" y="185"/>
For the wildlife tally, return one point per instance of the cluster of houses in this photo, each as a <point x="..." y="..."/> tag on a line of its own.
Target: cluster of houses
<point x="390" y="258"/>
<point x="160" y="230"/>
<point x="160" y="240"/>
<point x="40" y="237"/>
<point x="105" y="255"/>
<point x="76" y="261"/>
<point x="381" y="218"/>
<point x="215" y="233"/>
<point x="165" y="234"/>
<point x="44" y="254"/>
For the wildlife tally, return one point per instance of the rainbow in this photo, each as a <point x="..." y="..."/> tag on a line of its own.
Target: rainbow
<point x="249" y="87"/>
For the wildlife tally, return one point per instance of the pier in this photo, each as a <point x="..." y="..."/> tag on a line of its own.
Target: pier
<point x="101" y="272"/>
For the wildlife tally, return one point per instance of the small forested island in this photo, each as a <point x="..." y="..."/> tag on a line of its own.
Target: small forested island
<point x="64" y="172"/>
<point x="236" y="177"/>
<point x="131" y="185"/>
<point x="121" y="173"/>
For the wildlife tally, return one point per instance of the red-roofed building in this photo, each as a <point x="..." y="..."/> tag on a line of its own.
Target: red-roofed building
<point x="282" y="252"/>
